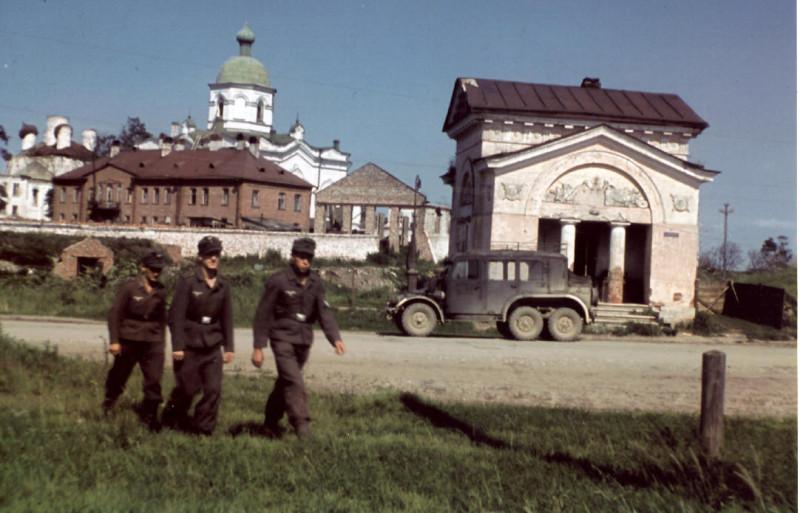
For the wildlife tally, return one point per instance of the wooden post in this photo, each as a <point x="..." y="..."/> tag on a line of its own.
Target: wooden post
<point x="712" y="403"/>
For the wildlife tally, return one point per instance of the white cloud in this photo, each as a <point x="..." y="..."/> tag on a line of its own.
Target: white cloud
<point x="779" y="224"/>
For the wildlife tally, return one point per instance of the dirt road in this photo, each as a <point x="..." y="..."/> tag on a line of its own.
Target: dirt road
<point x="614" y="374"/>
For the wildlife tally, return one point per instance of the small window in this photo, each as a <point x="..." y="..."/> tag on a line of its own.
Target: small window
<point x="472" y="269"/>
<point x="110" y="193"/>
<point x="62" y="196"/>
<point x="76" y="194"/>
<point x="204" y="197"/>
<point x="281" y="201"/>
<point x="130" y="195"/>
<point x="254" y="199"/>
<point x="127" y="219"/>
<point x="75" y="217"/>
<point x="225" y="196"/>
<point x="35" y="193"/>
<point x="144" y="219"/>
<point x="496" y="270"/>
<point x="15" y="190"/>
<point x="298" y="203"/>
<point x="144" y="195"/>
<point x="62" y="216"/>
<point x="156" y="195"/>
<point x="167" y="197"/>
<point x="193" y="196"/>
<point x="155" y="219"/>
<point x="167" y="219"/>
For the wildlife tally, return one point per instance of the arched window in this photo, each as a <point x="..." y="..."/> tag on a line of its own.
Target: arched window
<point x="260" y="111"/>
<point x="220" y="106"/>
<point x="466" y="196"/>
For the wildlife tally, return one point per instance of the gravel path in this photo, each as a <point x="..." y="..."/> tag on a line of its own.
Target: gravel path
<point x="653" y="374"/>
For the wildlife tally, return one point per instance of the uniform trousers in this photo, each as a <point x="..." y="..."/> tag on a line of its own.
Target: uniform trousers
<point x="289" y="394"/>
<point x="150" y="357"/>
<point x="200" y="370"/>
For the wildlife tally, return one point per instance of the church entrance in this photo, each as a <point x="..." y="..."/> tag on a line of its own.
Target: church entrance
<point x="591" y="250"/>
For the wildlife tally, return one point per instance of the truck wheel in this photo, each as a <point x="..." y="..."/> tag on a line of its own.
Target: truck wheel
<point x="525" y="323"/>
<point x="565" y="324"/>
<point x="502" y="328"/>
<point x="418" y="320"/>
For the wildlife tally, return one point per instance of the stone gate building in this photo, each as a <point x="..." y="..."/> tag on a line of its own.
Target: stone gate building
<point x="600" y="175"/>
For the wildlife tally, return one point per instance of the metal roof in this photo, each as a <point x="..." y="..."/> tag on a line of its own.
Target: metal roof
<point x="477" y="95"/>
<point x="192" y="165"/>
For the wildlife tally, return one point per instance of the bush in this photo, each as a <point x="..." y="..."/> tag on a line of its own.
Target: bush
<point x="707" y="324"/>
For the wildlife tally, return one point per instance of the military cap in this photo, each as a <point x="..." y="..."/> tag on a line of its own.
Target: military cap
<point x="154" y="260"/>
<point x="304" y="246"/>
<point x="209" y="245"/>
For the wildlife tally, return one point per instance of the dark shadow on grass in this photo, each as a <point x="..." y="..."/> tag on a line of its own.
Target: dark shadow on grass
<point x="441" y="419"/>
<point x="256" y="429"/>
<point x="690" y="474"/>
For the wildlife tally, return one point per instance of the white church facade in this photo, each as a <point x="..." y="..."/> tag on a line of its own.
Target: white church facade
<point x="602" y="176"/>
<point x="241" y="106"/>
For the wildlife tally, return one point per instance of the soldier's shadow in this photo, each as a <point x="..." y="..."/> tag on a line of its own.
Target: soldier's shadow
<point x="676" y="475"/>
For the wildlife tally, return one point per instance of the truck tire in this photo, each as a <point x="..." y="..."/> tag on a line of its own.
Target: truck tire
<point x="525" y="323"/>
<point x="502" y="329"/>
<point x="418" y="320"/>
<point x="565" y="324"/>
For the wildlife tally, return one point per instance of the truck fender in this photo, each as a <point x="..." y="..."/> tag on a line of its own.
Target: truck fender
<point x="581" y="308"/>
<point x="421" y="299"/>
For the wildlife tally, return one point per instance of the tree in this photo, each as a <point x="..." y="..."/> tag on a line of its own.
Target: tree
<point x="773" y="254"/>
<point x="712" y="259"/>
<point x="4" y="137"/>
<point x="103" y="145"/>
<point x="133" y="133"/>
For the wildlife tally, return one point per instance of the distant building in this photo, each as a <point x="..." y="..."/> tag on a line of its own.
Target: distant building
<point x="371" y="200"/>
<point x="601" y="175"/>
<point x="24" y="190"/>
<point x="229" y="187"/>
<point x="240" y="112"/>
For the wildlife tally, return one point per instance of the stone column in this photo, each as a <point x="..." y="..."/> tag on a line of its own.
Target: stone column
<point x="347" y="219"/>
<point x="369" y="220"/>
<point x="319" y="218"/>
<point x="394" y="237"/>
<point x="616" y="263"/>
<point x="568" y="240"/>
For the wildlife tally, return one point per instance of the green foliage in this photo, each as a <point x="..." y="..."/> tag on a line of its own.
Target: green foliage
<point x="385" y="452"/>
<point x="772" y="255"/>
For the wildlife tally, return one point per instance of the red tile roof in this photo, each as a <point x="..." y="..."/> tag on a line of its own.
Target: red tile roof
<point x="568" y="102"/>
<point x="225" y="164"/>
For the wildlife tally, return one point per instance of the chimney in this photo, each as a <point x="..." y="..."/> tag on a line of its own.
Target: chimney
<point x="114" y="148"/>
<point x="28" y="135"/>
<point x="254" y="144"/>
<point x="50" y="133"/>
<point x="63" y="136"/>
<point x="591" y="83"/>
<point x="89" y="139"/>
<point x="336" y="144"/>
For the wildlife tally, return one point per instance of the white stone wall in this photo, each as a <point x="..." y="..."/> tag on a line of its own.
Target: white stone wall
<point x="234" y="242"/>
<point x="25" y="204"/>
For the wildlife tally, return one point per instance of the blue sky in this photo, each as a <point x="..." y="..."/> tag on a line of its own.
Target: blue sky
<point x="378" y="75"/>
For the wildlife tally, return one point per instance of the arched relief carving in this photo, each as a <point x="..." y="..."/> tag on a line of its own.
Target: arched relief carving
<point x="596" y="187"/>
<point x="640" y="193"/>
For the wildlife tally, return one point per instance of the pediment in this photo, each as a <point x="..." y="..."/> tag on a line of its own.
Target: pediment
<point x="611" y="140"/>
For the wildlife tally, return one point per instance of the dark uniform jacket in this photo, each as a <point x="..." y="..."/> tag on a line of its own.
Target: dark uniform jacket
<point x="137" y="315"/>
<point x="287" y="310"/>
<point x="201" y="317"/>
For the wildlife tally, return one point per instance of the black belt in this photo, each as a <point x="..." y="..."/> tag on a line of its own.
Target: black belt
<point x="205" y="320"/>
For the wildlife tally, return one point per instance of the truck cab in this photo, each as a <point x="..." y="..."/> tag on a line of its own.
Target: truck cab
<point x="519" y="290"/>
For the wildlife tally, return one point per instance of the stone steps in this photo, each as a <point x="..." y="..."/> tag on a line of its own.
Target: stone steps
<point x="624" y="313"/>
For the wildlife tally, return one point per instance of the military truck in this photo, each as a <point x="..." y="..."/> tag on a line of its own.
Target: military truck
<point x="518" y="290"/>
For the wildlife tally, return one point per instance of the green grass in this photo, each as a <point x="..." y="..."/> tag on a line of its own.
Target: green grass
<point x="386" y="452"/>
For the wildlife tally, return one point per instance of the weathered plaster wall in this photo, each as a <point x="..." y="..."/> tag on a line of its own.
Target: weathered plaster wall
<point x="235" y="242"/>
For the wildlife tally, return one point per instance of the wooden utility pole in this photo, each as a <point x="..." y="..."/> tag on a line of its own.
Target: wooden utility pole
<point x="725" y="212"/>
<point x="712" y="427"/>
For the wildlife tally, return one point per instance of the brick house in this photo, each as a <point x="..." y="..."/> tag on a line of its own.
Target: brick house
<point x="224" y="188"/>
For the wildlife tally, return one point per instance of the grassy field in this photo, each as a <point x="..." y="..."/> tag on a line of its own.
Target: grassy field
<point x="387" y="452"/>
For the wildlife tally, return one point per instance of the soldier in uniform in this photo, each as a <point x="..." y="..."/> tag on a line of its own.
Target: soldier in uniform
<point x="292" y="300"/>
<point x="136" y="326"/>
<point x="201" y="324"/>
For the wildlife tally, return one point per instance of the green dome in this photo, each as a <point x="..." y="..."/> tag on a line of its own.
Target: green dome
<point x="243" y="69"/>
